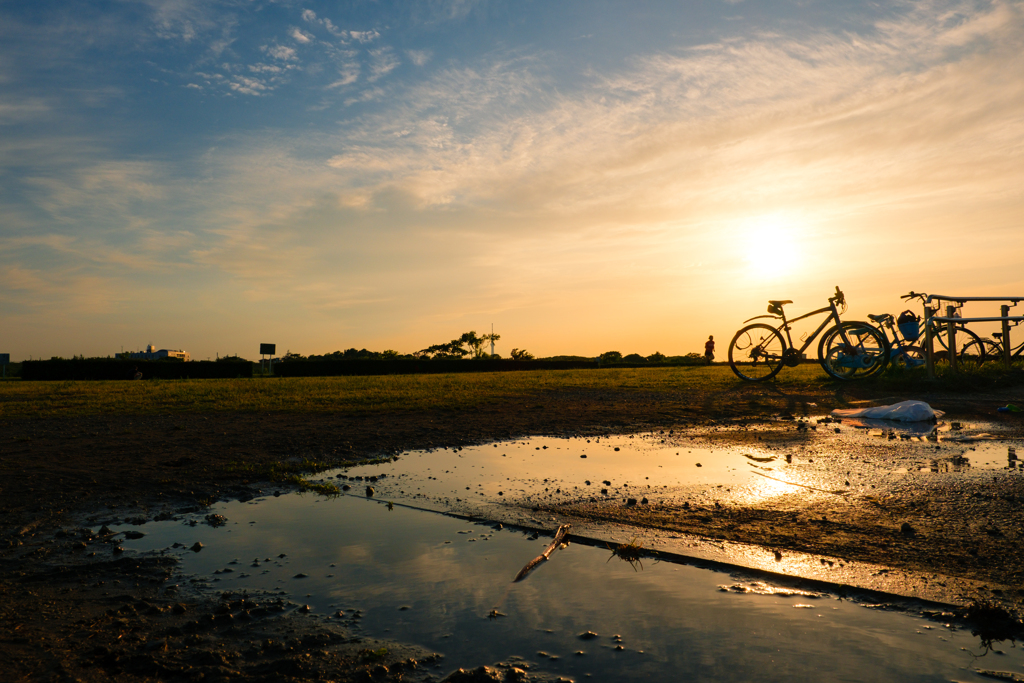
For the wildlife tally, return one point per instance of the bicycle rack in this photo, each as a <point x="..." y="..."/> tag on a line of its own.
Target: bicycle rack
<point x="951" y="320"/>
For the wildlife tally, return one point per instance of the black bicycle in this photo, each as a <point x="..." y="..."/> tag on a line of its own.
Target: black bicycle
<point x="847" y="350"/>
<point x="972" y="350"/>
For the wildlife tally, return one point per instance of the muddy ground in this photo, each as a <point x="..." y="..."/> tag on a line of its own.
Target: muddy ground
<point x="72" y="607"/>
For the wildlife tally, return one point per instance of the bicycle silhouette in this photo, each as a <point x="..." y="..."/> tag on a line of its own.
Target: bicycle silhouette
<point x="972" y="349"/>
<point x="902" y="354"/>
<point x="847" y="350"/>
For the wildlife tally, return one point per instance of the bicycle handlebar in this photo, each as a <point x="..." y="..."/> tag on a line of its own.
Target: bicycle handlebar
<point x="839" y="298"/>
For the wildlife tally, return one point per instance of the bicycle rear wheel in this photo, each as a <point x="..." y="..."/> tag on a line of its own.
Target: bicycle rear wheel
<point x="864" y="352"/>
<point x="755" y="352"/>
<point x="977" y="352"/>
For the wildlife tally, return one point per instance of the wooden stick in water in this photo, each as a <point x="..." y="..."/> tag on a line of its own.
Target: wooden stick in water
<point x="560" y="535"/>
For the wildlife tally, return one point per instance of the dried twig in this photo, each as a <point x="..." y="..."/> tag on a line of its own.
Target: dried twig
<point x="560" y="535"/>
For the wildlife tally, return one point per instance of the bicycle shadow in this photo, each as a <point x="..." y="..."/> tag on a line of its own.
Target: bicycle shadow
<point x="751" y="400"/>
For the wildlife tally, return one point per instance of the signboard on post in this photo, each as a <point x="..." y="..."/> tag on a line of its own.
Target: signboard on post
<point x="268" y="350"/>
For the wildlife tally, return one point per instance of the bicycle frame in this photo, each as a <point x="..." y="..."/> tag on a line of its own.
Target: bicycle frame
<point x="898" y="344"/>
<point x="833" y="317"/>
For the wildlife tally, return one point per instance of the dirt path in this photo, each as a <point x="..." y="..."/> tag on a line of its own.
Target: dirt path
<point x="73" y="609"/>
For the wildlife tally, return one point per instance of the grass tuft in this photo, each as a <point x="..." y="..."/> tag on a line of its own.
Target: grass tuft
<point x="631" y="552"/>
<point x="289" y="473"/>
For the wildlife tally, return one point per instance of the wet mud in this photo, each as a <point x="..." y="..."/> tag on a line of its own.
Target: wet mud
<point x="75" y="608"/>
<point x="919" y="507"/>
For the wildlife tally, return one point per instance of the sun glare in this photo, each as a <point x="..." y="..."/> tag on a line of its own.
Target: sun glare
<point x="770" y="246"/>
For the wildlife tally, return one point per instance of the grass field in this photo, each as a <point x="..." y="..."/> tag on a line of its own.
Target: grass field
<point x="380" y="394"/>
<point x="399" y="393"/>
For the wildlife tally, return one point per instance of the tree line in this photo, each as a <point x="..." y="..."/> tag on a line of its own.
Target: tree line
<point x="469" y="344"/>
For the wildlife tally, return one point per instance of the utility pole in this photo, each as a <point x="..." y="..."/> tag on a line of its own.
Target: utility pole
<point x="492" y="340"/>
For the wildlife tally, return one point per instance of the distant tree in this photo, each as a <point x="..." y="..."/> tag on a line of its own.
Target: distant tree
<point x="389" y="354"/>
<point x="476" y="343"/>
<point x="452" y="349"/>
<point x="611" y="357"/>
<point x="456" y="347"/>
<point x="292" y="356"/>
<point x="656" y="357"/>
<point x="634" y="358"/>
<point x="488" y="339"/>
<point x="521" y="354"/>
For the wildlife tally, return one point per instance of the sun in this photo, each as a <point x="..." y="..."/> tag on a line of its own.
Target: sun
<point x="771" y="246"/>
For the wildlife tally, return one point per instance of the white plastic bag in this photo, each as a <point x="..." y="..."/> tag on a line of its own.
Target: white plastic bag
<point x="904" y="411"/>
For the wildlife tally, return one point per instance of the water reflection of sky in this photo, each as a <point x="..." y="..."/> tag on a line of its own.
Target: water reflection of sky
<point x="552" y="470"/>
<point x="431" y="580"/>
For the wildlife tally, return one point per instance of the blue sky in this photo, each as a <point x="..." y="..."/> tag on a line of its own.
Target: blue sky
<point x="586" y="176"/>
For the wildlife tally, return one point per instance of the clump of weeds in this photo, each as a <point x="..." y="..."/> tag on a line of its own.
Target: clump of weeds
<point x="992" y="623"/>
<point x="322" y="488"/>
<point x="289" y="473"/>
<point x="631" y="552"/>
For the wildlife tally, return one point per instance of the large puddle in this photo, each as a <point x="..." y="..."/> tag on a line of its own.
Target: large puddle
<point x="446" y="584"/>
<point x="552" y="470"/>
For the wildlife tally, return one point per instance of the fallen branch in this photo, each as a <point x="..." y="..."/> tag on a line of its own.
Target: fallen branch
<point x="560" y="535"/>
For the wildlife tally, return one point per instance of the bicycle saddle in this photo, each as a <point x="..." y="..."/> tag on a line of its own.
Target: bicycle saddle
<point x="997" y="335"/>
<point x="878" y="318"/>
<point x="773" y="302"/>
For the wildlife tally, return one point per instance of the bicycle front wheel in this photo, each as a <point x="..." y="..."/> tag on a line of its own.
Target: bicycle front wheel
<point x="964" y="338"/>
<point x="906" y="357"/>
<point x="755" y="353"/>
<point x="863" y="353"/>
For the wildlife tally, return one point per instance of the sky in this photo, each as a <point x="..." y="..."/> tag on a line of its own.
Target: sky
<point x="209" y="175"/>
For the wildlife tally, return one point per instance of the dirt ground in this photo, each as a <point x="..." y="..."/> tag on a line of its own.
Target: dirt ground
<point x="72" y="607"/>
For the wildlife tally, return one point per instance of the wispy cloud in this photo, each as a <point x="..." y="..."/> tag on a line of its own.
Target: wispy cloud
<point x="300" y="36"/>
<point x="345" y="35"/>
<point x="182" y="19"/>
<point x="419" y="57"/>
<point x="282" y="52"/>
<point x="21" y="110"/>
<point x="382" y="62"/>
<point x="834" y="113"/>
<point x="348" y="75"/>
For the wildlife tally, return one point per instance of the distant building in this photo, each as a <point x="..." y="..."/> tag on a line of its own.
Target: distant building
<point x="152" y="354"/>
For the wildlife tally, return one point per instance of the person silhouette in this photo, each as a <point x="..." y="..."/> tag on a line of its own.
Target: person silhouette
<point x="709" y="349"/>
